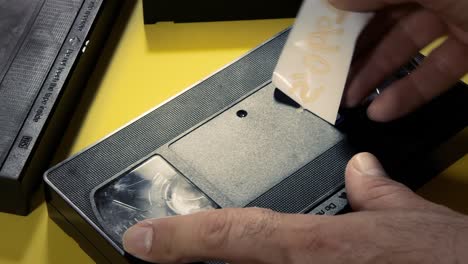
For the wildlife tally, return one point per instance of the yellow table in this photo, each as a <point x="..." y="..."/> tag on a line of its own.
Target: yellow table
<point x="142" y="67"/>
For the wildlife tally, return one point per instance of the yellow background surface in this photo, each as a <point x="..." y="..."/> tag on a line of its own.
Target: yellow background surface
<point x="141" y="67"/>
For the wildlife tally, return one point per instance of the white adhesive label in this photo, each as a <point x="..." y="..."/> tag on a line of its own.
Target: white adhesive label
<point x="315" y="62"/>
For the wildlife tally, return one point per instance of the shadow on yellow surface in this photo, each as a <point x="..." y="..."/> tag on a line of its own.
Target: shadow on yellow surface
<point x="449" y="188"/>
<point x="36" y="239"/>
<point x="167" y="36"/>
<point x="17" y="234"/>
<point x="56" y="242"/>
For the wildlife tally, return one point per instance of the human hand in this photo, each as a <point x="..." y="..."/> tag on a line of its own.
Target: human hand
<point x="391" y="225"/>
<point x="399" y="30"/>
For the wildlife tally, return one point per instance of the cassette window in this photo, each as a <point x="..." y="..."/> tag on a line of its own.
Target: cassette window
<point x="154" y="189"/>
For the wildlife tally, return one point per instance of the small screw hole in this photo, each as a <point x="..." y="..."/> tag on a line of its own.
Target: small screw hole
<point x="242" y="113"/>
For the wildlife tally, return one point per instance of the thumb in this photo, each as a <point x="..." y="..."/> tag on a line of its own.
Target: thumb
<point x="369" y="187"/>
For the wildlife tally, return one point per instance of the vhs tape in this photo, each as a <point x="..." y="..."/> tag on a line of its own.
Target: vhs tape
<point x="47" y="50"/>
<point x="234" y="140"/>
<point x="215" y="10"/>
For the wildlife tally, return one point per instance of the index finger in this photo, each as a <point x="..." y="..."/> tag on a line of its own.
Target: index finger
<point x="250" y="235"/>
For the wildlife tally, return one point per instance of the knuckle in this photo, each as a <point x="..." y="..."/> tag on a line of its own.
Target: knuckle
<point x="251" y="224"/>
<point x="318" y="240"/>
<point x="259" y="223"/>
<point x="384" y="59"/>
<point x="444" y="65"/>
<point x="381" y="64"/>
<point x="421" y="94"/>
<point x="217" y="228"/>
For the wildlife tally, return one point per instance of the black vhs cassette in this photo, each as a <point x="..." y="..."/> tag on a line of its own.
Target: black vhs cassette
<point x="216" y="10"/>
<point x="47" y="49"/>
<point x="234" y="140"/>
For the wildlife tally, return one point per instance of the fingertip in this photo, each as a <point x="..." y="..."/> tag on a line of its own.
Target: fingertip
<point x="351" y="98"/>
<point x="358" y="87"/>
<point x="370" y="188"/>
<point x="350" y="172"/>
<point x="366" y="164"/>
<point x="138" y="240"/>
<point x="348" y="101"/>
<point x="375" y="113"/>
<point x="353" y="175"/>
<point x="362" y="170"/>
<point x="382" y="110"/>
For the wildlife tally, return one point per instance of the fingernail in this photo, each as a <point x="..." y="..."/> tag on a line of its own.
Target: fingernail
<point x="138" y="239"/>
<point x="368" y="164"/>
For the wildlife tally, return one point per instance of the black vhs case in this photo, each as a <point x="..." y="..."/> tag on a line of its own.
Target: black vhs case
<point x="217" y="10"/>
<point x="205" y="126"/>
<point x="48" y="49"/>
